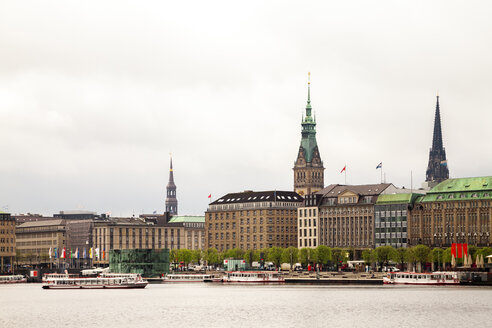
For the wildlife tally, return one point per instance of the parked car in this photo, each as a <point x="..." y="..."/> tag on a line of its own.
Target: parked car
<point x="390" y="269"/>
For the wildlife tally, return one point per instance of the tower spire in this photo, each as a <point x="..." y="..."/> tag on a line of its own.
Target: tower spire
<point x="171" y="201"/>
<point x="437" y="168"/>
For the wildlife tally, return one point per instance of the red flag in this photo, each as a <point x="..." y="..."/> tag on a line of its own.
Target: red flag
<point x="465" y="249"/>
<point x="453" y="250"/>
<point x="460" y="250"/>
<point x="210" y="196"/>
<point x="343" y="168"/>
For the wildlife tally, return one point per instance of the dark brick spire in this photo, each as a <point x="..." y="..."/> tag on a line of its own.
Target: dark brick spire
<point x="437" y="169"/>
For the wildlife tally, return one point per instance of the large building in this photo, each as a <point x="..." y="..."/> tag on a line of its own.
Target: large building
<point x="252" y="220"/>
<point x="454" y="211"/>
<point x="7" y="242"/>
<point x="437" y="168"/>
<point x="194" y="227"/>
<point x="391" y="219"/>
<point x="308" y="167"/>
<point x="146" y="233"/>
<point x="35" y="239"/>
<point x="171" y="200"/>
<point x="340" y="216"/>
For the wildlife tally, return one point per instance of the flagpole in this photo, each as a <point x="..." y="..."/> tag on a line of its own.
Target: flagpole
<point x="381" y="172"/>
<point x="345" y="173"/>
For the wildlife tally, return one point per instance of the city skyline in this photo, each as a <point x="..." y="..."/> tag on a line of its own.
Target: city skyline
<point x="90" y="111"/>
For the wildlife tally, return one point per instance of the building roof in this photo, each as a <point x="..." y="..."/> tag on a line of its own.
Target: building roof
<point x="187" y="218"/>
<point x="397" y="198"/>
<point x="258" y="196"/>
<point x="463" y="184"/>
<point x="363" y="190"/>
<point x="460" y="189"/>
<point x="41" y="223"/>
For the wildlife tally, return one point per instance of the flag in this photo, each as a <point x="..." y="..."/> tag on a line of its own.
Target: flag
<point x="460" y="250"/>
<point x="90" y="252"/>
<point x="380" y="166"/>
<point x="465" y="249"/>
<point x="97" y="252"/>
<point x="84" y="254"/>
<point x="453" y="249"/>
<point x="209" y="195"/>
<point x="344" y="169"/>
<point x="155" y="212"/>
<point x="63" y="254"/>
<point x="56" y="252"/>
<point x="104" y="254"/>
<point x="444" y="163"/>
<point x="77" y="253"/>
<point x="50" y="253"/>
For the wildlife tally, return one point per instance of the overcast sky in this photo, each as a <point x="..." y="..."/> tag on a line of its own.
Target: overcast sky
<point x="94" y="95"/>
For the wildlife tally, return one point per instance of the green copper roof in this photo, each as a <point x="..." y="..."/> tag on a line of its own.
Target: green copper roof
<point x="308" y="141"/>
<point x="187" y="218"/>
<point x="463" y="184"/>
<point x="460" y="189"/>
<point x="397" y="198"/>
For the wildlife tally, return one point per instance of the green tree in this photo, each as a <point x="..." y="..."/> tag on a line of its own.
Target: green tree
<point x="290" y="255"/>
<point x="400" y="255"/>
<point x="212" y="256"/>
<point x="337" y="255"/>
<point x="437" y="256"/>
<point x="275" y="255"/>
<point x="255" y="256"/>
<point x="324" y="254"/>
<point x="384" y="254"/>
<point x="196" y="255"/>
<point x="368" y="256"/>
<point x="446" y="256"/>
<point x="185" y="255"/>
<point x="421" y="253"/>
<point x="305" y="256"/>
<point x="234" y="253"/>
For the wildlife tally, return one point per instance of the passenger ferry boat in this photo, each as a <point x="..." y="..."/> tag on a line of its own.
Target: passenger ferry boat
<point x="13" y="279"/>
<point x="413" y="278"/>
<point x="252" y="276"/>
<point x="112" y="282"/>
<point x="187" y="278"/>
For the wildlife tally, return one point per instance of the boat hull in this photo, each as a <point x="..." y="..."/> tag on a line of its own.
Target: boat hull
<point x="123" y="286"/>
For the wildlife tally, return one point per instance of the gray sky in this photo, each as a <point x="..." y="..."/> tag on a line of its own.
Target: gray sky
<point x="95" y="95"/>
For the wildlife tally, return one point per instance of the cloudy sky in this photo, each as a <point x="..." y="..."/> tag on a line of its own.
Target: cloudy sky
<point x="94" y="95"/>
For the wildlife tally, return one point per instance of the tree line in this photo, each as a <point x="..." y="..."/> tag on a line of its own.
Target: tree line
<point x="327" y="256"/>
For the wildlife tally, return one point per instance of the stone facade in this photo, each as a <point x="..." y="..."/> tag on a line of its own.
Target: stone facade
<point x="340" y="216"/>
<point x="252" y="220"/>
<point x="455" y="211"/>
<point x="7" y="241"/>
<point x="308" y="167"/>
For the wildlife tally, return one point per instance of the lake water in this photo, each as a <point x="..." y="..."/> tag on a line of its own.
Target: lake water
<point x="216" y="305"/>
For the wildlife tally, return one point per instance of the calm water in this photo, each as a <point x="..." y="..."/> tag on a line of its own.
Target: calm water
<point x="211" y="305"/>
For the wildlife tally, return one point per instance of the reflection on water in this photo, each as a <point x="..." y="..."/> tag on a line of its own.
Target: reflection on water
<point x="215" y="305"/>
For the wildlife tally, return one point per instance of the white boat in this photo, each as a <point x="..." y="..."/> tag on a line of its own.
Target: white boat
<point x="414" y="278"/>
<point x="13" y="279"/>
<point x="187" y="278"/>
<point x="128" y="281"/>
<point x="252" y="277"/>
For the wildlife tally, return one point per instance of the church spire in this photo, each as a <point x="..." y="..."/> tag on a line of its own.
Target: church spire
<point x="308" y="168"/>
<point x="171" y="201"/>
<point x="437" y="168"/>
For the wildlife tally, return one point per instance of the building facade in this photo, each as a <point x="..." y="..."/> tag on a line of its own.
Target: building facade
<point x="35" y="239"/>
<point x="340" y="216"/>
<point x="134" y="233"/>
<point x="454" y="211"/>
<point x="308" y="167"/>
<point x="437" y="168"/>
<point x="252" y="220"/>
<point x="194" y="228"/>
<point x="7" y="242"/>
<point x="391" y="219"/>
<point x="171" y="200"/>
